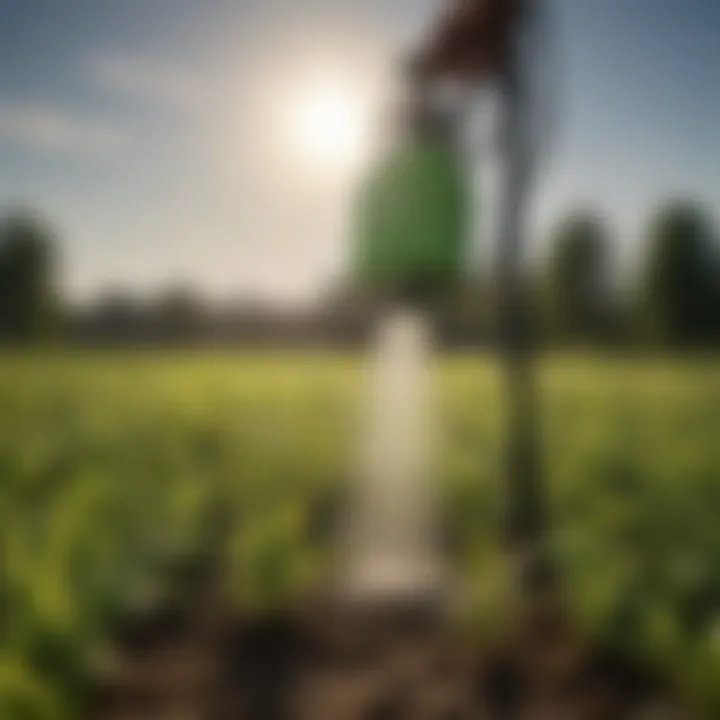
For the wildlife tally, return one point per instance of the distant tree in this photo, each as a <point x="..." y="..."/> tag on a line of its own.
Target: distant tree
<point x="28" y="307"/>
<point x="679" y="288"/>
<point x="577" y="282"/>
<point x="116" y="317"/>
<point x="465" y="316"/>
<point x="346" y="311"/>
<point x="180" y="315"/>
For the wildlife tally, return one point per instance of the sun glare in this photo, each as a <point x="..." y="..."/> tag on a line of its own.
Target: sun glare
<point x="330" y="126"/>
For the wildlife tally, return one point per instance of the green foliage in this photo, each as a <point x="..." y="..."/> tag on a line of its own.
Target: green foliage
<point x="680" y="297"/>
<point x="110" y="466"/>
<point x="26" y="279"/>
<point x="578" y="290"/>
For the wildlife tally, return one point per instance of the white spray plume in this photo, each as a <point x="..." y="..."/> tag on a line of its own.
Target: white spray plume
<point x="393" y="552"/>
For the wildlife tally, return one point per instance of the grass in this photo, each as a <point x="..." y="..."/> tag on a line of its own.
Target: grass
<point x="108" y="464"/>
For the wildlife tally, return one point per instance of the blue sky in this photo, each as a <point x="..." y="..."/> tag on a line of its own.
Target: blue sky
<point x="150" y="131"/>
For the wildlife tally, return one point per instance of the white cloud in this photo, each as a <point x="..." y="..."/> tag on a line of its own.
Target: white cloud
<point x="48" y="129"/>
<point x="147" y="79"/>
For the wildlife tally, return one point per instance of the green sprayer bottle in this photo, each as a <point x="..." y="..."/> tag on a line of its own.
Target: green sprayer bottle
<point x="413" y="212"/>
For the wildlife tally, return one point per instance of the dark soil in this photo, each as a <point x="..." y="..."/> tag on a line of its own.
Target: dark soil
<point x="324" y="662"/>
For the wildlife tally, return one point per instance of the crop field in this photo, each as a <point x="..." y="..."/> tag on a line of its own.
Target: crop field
<point x="110" y="465"/>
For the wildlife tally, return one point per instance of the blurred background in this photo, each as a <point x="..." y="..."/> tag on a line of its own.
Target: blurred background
<point x="190" y="171"/>
<point x="183" y="344"/>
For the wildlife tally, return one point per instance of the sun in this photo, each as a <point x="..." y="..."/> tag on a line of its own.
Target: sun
<point x="330" y="125"/>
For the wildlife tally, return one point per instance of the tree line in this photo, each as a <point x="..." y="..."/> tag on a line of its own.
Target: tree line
<point x="575" y="295"/>
<point x="672" y="300"/>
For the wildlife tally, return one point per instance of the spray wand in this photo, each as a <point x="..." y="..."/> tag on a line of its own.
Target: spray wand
<point x="413" y="232"/>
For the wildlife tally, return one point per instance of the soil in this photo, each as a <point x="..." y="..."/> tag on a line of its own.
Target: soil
<point x="320" y="661"/>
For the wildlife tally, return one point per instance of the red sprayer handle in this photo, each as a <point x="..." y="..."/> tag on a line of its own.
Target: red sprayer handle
<point x="472" y="41"/>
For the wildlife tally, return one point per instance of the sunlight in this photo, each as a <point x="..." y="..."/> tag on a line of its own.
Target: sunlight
<point x="330" y="125"/>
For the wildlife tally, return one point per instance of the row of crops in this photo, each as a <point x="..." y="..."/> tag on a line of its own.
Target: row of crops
<point x="109" y="467"/>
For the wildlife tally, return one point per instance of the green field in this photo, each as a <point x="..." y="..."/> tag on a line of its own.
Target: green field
<point x="108" y="464"/>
